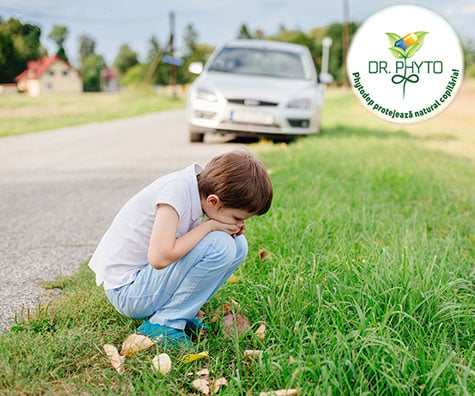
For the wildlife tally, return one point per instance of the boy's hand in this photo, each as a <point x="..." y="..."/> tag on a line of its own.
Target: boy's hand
<point x="241" y="231"/>
<point x="231" y="229"/>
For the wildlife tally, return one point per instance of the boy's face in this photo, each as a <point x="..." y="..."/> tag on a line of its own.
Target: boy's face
<point x="215" y="210"/>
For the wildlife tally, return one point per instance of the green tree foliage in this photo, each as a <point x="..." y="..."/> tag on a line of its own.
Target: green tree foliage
<point x="91" y="64"/>
<point x="136" y="75"/>
<point x="154" y="49"/>
<point x="335" y="63"/>
<point x="19" y="43"/>
<point x="87" y="46"/>
<point x="58" y="35"/>
<point x="194" y="52"/>
<point x="125" y="59"/>
<point x="244" y="32"/>
<point x="190" y="39"/>
<point x="91" y="72"/>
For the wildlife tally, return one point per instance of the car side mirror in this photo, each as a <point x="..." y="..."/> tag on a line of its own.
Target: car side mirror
<point x="325" y="78"/>
<point x="195" y="68"/>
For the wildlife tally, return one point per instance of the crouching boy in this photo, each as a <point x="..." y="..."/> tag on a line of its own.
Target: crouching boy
<point x="172" y="245"/>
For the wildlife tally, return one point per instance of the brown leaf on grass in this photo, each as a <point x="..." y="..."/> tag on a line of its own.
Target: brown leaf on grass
<point x="264" y="254"/>
<point x="116" y="360"/>
<point x="261" y="332"/>
<point x="281" y="392"/>
<point x="135" y="343"/>
<point x="219" y="383"/>
<point x="224" y="309"/>
<point x="251" y="353"/>
<point x="233" y="279"/>
<point x="200" y="315"/>
<point x="233" y="323"/>
<point x="202" y="385"/>
<point x="202" y="372"/>
<point x="162" y="363"/>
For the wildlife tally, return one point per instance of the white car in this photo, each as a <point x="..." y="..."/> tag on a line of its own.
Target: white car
<point x="255" y="88"/>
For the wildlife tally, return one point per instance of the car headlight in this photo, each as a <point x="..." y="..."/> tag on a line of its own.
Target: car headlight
<point x="301" y="103"/>
<point x="206" y="95"/>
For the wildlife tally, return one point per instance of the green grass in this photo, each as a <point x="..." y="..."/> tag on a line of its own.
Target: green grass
<point x="22" y="114"/>
<point x="370" y="288"/>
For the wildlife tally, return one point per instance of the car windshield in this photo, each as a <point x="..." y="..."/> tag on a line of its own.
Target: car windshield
<point x="262" y="62"/>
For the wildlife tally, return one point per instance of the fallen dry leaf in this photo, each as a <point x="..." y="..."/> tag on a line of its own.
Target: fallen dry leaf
<point x="135" y="343"/>
<point x="224" y="309"/>
<point x="202" y="385"/>
<point x="264" y="254"/>
<point x="219" y="383"/>
<point x="194" y="356"/>
<point x="115" y="358"/>
<point x="200" y="315"/>
<point x="281" y="392"/>
<point x="162" y="363"/>
<point x="233" y="279"/>
<point x="202" y="372"/>
<point x="235" y="322"/>
<point x="252" y="353"/>
<point x="261" y="332"/>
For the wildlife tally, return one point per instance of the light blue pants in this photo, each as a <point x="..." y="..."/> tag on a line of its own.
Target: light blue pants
<point x="173" y="295"/>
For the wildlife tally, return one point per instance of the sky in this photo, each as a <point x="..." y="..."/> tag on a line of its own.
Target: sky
<point x="112" y="23"/>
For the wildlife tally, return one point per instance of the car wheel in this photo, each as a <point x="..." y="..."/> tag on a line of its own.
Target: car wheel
<point x="197" y="137"/>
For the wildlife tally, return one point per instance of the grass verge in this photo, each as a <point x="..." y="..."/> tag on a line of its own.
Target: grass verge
<point x="23" y="114"/>
<point x="369" y="288"/>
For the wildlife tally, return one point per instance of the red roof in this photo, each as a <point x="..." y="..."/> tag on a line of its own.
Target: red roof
<point x="35" y="69"/>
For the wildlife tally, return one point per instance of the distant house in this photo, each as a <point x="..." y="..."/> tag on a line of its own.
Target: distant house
<point x="109" y="80"/>
<point x="48" y="75"/>
<point x="8" y="89"/>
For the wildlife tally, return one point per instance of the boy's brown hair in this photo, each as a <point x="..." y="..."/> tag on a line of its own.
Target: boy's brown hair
<point x="239" y="180"/>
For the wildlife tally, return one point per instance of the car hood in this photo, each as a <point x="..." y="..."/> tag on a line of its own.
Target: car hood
<point x="233" y="86"/>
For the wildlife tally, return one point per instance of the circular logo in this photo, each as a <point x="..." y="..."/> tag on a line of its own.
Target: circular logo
<point x="405" y="64"/>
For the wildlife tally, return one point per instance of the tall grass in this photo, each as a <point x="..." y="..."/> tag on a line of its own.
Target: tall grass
<point x="368" y="288"/>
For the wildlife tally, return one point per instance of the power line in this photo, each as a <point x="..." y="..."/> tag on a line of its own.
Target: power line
<point x="70" y="18"/>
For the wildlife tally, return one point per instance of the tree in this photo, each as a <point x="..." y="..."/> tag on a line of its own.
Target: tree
<point x="59" y="35"/>
<point x="87" y="46"/>
<point x="91" y="72"/>
<point x="19" y="43"/>
<point x="259" y="34"/>
<point x="191" y="39"/>
<point x="154" y="48"/>
<point x="125" y="59"/>
<point x="244" y="32"/>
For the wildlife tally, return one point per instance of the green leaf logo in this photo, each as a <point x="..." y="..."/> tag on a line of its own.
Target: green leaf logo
<point x="404" y="48"/>
<point x="407" y="46"/>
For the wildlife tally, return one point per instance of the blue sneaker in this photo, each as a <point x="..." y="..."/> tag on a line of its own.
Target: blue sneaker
<point x="165" y="336"/>
<point x="196" y="325"/>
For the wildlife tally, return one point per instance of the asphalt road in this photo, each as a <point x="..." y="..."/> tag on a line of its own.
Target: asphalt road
<point x="59" y="191"/>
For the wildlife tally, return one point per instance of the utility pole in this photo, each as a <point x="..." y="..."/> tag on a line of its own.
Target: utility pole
<point x="158" y="57"/>
<point x="345" y="38"/>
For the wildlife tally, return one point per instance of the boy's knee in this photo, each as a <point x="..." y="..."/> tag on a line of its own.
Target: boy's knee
<point x="241" y="247"/>
<point x="223" y="246"/>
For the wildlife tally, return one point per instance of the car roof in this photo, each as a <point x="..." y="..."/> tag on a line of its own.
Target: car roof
<point x="266" y="44"/>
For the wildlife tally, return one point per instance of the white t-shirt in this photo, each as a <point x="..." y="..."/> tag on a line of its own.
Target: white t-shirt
<point x="123" y="250"/>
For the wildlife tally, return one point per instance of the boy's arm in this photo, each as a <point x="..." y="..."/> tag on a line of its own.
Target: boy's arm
<point x="164" y="248"/>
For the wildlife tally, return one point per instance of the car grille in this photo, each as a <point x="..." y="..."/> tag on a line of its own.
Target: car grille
<point x="251" y="102"/>
<point x="298" y="123"/>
